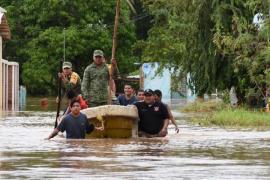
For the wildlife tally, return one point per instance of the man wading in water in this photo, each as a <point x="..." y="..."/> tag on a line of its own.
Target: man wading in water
<point x="75" y="124"/>
<point x="154" y="117"/>
<point x="158" y="97"/>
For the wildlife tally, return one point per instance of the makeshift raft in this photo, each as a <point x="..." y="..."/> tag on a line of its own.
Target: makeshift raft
<point x="119" y="121"/>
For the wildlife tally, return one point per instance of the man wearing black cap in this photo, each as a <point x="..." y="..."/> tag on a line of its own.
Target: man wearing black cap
<point x="154" y="117"/>
<point x="158" y="97"/>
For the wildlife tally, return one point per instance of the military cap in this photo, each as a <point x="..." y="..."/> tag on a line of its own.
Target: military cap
<point x="98" y="53"/>
<point x="67" y="65"/>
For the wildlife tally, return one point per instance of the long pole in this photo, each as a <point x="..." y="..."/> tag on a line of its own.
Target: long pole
<point x="64" y="44"/>
<point x="114" y="44"/>
<point x="59" y="93"/>
<point x="60" y="80"/>
<point x="115" y="29"/>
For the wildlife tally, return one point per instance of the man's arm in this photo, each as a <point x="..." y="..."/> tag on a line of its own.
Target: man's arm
<point x="63" y="79"/>
<point x="115" y="70"/>
<point x="74" y="79"/>
<point x="85" y="83"/>
<point x="164" y="130"/>
<point x="171" y="117"/>
<point x="54" y="133"/>
<point x="60" y="127"/>
<point x="165" y="115"/>
<point x="90" y="127"/>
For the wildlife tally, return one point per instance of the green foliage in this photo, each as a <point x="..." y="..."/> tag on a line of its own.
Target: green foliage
<point x="37" y="37"/>
<point x="214" y="41"/>
<point x="206" y="106"/>
<point x="225" y="96"/>
<point x="236" y="119"/>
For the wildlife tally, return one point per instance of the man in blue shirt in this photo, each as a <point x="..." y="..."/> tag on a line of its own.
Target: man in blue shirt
<point x="140" y="95"/>
<point x="127" y="98"/>
<point x="75" y="124"/>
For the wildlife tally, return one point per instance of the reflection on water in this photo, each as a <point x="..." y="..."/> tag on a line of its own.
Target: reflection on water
<point x="195" y="153"/>
<point x="41" y="104"/>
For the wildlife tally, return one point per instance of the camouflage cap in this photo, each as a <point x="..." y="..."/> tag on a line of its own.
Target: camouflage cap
<point x="98" y="53"/>
<point x="67" y="64"/>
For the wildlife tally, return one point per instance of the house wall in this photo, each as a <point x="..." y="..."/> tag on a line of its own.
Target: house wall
<point x="154" y="81"/>
<point x="163" y="81"/>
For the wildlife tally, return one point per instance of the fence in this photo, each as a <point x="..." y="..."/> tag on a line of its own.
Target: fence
<point x="10" y="85"/>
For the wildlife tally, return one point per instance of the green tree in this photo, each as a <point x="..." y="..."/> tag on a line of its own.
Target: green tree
<point x="214" y="41"/>
<point x="37" y="37"/>
<point x="181" y="39"/>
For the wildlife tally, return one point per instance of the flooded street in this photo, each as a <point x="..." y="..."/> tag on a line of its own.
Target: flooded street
<point x="195" y="153"/>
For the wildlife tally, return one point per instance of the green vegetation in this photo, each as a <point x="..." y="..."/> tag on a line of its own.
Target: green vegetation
<point x="220" y="114"/>
<point x="235" y="118"/>
<point x="214" y="41"/>
<point x="37" y="28"/>
<point x="205" y="106"/>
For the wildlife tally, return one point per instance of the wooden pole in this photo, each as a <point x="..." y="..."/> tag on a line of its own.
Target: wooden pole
<point x="59" y="93"/>
<point x="116" y="22"/>
<point x="114" y="44"/>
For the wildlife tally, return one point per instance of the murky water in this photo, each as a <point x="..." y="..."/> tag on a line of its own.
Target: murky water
<point x="195" y="153"/>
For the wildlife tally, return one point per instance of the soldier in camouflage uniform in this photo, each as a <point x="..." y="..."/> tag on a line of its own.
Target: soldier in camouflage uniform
<point x="96" y="80"/>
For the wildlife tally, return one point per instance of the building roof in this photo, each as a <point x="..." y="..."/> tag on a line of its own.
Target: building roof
<point x="2" y="10"/>
<point x="4" y="27"/>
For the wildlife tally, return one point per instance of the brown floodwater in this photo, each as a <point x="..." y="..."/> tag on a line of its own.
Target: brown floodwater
<point x="195" y="153"/>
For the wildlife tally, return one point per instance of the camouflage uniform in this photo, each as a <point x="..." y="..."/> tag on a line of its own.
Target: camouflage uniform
<point x="96" y="80"/>
<point x="95" y="84"/>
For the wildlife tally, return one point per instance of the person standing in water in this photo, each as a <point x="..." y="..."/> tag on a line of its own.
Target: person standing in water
<point x="158" y="98"/>
<point x="154" y="117"/>
<point x="75" y="124"/>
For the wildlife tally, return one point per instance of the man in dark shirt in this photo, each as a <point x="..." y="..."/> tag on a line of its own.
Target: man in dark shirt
<point x="75" y="124"/>
<point x="127" y="98"/>
<point x="154" y="117"/>
<point x="158" y="97"/>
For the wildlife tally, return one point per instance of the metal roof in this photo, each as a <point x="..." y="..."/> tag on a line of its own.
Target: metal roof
<point x="2" y="10"/>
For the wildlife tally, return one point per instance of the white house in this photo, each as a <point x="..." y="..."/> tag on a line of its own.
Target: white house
<point x="163" y="81"/>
